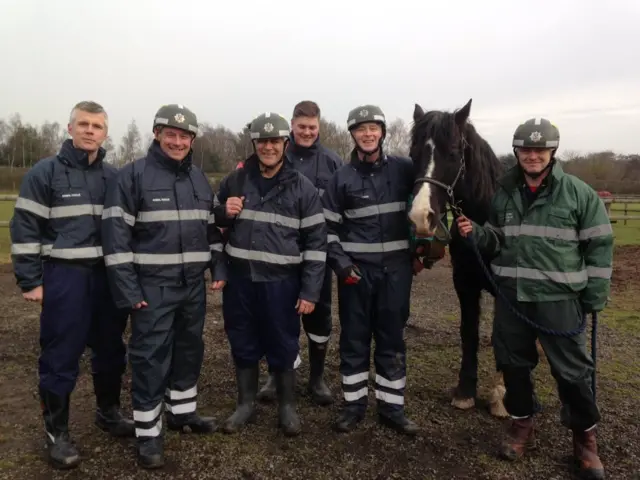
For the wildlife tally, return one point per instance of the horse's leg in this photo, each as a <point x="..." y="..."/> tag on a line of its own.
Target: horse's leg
<point x="469" y="297"/>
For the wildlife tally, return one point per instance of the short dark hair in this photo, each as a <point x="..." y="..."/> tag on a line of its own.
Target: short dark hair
<point x="89" y="107"/>
<point x="306" y="108"/>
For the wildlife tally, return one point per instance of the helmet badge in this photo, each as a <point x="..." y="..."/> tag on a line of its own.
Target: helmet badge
<point x="268" y="127"/>
<point x="179" y="117"/>
<point x="363" y="113"/>
<point x="535" y="136"/>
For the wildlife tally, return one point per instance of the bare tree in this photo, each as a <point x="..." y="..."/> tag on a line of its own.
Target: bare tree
<point x="131" y="145"/>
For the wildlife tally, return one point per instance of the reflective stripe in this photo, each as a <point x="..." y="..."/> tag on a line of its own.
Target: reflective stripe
<point x="375" y="247"/>
<point x="154" y="431"/>
<point x="181" y="395"/>
<point x="332" y="216"/>
<point x="376" y="210"/>
<point x="33" y="207"/>
<point x="390" y="397"/>
<point x="156" y="258"/>
<point x="173" y="215"/>
<point x="76" y="210"/>
<point x="541" y="231"/>
<point x="71" y="253"/>
<point x="182" y="408"/>
<point x="147" y="416"/>
<point x="317" y="338"/>
<point x="356" y="378"/>
<point x="212" y="219"/>
<point x="597" y="231"/>
<point x="297" y="362"/>
<point x="320" y="191"/>
<point x="534" y="274"/>
<point x="599" y="272"/>
<point x="216" y="247"/>
<point x="316" y="219"/>
<point x="333" y="239"/>
<point x="358" y="394"/>
<point x="314" y="256"/>
<point x="25" y="248"/>
<point x="395" y="384"/>
<point x="263" y="256"/>
<point x="118" y="212"/>
<point x="269" y="217"/>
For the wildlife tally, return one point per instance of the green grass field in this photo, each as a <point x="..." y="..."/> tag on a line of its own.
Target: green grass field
<point x="628" y="234"/>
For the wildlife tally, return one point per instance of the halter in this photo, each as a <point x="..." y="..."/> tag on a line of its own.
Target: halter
<point x="455" y="207"/>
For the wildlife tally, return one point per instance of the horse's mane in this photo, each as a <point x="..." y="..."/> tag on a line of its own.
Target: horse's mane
<point x="482" y="165"/>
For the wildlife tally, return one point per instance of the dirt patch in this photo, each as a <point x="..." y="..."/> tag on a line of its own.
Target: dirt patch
<point x="452" y="444"/>
<point x="626" y="268"/>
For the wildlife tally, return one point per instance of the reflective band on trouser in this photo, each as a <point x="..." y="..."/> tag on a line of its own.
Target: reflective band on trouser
<point x="148" y="423"/>
<point x="354" y="387"/>
<point x="390" y="391"/>
<point x="318" y="338"/>
<point x="534" y="274"/>
<point x="180" y="403"/>
<point x="373" y="210"/>
<point x="375" y="247"/>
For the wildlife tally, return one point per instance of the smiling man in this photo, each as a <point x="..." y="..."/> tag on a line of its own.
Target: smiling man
<point x="276" y="250"/>
<point x="318" y="164"/>
<point x="159" y="237"/>
<point x="552" y="243"/>
<point x="58" y="263"/>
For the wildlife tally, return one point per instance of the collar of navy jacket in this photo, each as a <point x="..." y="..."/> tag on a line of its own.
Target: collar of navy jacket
<point x="156" y="154"/>
<point x="77" y="158"/>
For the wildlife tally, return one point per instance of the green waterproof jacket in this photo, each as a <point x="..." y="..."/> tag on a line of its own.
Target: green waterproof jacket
<point x="560" y="247"/>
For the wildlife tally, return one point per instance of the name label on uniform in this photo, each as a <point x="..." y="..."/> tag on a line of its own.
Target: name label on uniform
<point x="69" y="195"/>
<point x="162" y="199"/>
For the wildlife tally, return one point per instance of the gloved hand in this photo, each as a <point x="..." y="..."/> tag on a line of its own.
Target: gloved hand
<point x="350" y="275"/>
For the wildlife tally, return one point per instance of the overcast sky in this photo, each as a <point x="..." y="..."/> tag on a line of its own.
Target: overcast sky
<point x="575" y="61"/>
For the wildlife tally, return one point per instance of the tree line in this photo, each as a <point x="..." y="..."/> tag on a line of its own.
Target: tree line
<point x="217" y="149"/>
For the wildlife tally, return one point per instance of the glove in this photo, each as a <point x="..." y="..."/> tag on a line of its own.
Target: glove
<point x="350" y="275"/>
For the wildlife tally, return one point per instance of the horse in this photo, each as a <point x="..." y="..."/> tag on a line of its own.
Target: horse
<point x="454" y="165"/>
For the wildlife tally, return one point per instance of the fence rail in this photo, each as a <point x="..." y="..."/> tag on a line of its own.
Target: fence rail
<point x="625" y="200"/>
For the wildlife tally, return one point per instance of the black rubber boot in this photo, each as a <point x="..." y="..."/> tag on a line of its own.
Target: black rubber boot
<point x="150" y="452"/>
<point x="247" y="384"/>
<point x="348" y="420"/>
<point x="191" y="423"/>
<point x="108" y="416"/>
<point x="400" y="424"/>
<point x="63" y="454"/>
<point x="320" y="393"/>
<point x="267" y="393"/>
<point x="288" y="418"/>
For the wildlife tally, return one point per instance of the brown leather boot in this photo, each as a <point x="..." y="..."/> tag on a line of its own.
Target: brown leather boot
<point x="519" y="438"/>
<point x="585" y="451"/>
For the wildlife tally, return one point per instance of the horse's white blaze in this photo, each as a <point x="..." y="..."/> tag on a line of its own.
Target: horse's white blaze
<point x="421" y="206"/>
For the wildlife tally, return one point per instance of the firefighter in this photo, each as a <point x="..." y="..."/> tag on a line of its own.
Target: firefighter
<point x="552" y="243"/>
<point x="318" y="164"/>
<point x="58" y="263"/>
<point x="368" y="248"/>
<point x="159" y="237"/>
<point x="276" y="254"/>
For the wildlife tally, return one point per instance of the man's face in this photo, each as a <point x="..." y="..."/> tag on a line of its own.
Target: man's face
<point x="175" y="143"/>
<point x="367" y="136"/>
<point x="270" y="150"/>
<point x="305" y="130"/>
<point x="534" y="160"/>
<point x="88" y="130"/>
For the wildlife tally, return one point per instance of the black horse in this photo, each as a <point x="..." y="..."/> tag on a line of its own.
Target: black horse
<point x="455" y="166"/>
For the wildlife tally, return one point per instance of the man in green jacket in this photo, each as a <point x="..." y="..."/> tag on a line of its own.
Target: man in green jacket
<point x="553" y="247"/>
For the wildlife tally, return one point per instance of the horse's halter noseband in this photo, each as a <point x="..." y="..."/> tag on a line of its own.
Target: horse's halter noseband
<point x="455" y="208"/>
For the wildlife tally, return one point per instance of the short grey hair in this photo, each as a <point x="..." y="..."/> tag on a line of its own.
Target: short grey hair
<point x="89" y="107"/>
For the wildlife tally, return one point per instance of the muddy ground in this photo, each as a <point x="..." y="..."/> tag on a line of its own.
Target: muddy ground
<point x="452" y="444"/>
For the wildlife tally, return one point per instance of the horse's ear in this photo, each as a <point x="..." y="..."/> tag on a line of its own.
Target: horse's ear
<point x="418" y="113"/>
<point x="463" y="114"/>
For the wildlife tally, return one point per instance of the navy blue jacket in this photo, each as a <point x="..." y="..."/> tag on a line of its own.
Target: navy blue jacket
<point x="280" y="234"/>
<point x="158" y="226"/>
<point x="316" y="162"/>
<point x="57" y="214"/>
<point x="365" y="208"/>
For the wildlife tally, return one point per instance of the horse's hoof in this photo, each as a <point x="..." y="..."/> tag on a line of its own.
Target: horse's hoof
<point x="463" y="403"/>
<point x="496" y="405"/>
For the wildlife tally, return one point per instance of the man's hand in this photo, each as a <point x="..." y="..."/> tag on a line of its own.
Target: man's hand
<point x="217" y="285"/>
<point x="140" y="305"/>
<point x="350" y="275"/>
<point x="34" y="295"/>
<point x="418" y="266"/>
<point x="465" y="227"/>
<point x="233" y="206"/>
<point x="304" y="307"/>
